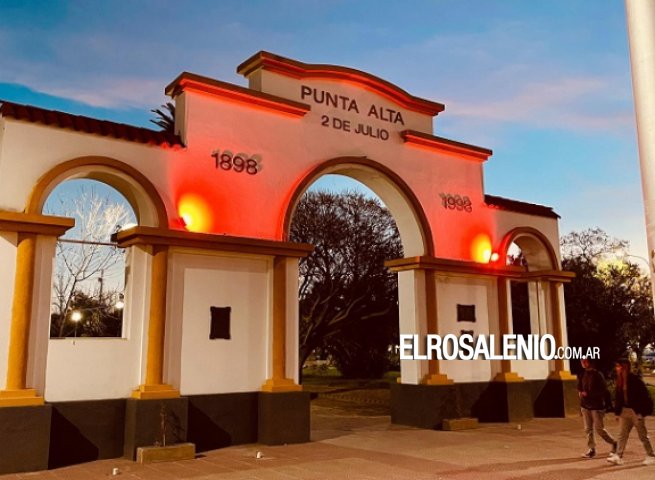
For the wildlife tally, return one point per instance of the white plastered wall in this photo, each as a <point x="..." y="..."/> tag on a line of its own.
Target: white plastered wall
<point x="30" y="150"/>
<point x="288" y="87"/>
<point x="103" y="368"/>
<point x="454" y="290"/>
<point x="200" y="281"/>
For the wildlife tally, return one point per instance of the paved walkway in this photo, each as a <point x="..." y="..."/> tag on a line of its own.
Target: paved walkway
<point x="364" y="445"/>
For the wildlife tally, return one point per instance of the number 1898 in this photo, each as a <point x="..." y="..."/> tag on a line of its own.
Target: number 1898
<point x="240" y="162"/>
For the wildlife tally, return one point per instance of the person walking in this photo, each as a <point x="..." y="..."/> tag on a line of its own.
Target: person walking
<point x="632" y="404"/>
<point x="594" y="396"/>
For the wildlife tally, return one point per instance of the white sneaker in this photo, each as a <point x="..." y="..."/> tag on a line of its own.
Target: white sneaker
<point x="615" y="459"/>
<point x="648" y="460"/>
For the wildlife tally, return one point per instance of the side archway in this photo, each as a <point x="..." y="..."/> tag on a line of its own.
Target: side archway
<point x="413" y="225"/>
<point x="535" y="246"/>
<point x="140" y="193"/>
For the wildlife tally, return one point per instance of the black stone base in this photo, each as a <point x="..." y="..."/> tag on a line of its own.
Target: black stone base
<point x="557" y="398"/>
<point x="24" y="438"/>
<point x="221" y="420"/>
<point x="426" y="406"/>
<point x="86" y="431"/>
<point x="502" y="401"/>
<point x="283" y="418"/>
<point x="423" y="406"/>
<point x="146" y="421"/>
<point x="67" y="433"/>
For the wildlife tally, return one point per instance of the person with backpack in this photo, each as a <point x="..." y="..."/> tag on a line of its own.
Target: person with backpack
<point x="632" y="403"/>
<point x="594" y="399"/>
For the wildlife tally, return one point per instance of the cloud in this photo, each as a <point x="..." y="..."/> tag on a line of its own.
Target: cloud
<point x="112" y="92"/>
<point x="515" y="72"/>
<point x="563" y="102"/>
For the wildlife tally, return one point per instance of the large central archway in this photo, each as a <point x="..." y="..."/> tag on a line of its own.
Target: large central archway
<point x="405" y="208"/>
<point x="416" y="240"/>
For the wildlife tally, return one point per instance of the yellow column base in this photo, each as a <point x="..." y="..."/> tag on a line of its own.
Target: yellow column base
<point x="508" y="377"/>
<point x="281" y="385"/>
<point x="152" y="392"/>
<point x="437" y="379"/>
<point x="561" y="375"/>
<point x="20" y="398"/>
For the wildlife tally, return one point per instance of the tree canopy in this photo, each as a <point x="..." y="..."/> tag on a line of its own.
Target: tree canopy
<point x="348" y="299"/>
<point x="609" y="303"/>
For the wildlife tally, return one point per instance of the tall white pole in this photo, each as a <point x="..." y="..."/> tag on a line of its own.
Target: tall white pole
<point x="641" y="35"/>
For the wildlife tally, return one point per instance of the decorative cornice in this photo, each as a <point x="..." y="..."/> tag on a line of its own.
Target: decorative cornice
<point x="443" y="265"/>
<point x="293" y="68"/>
<point x="206" y="241"/>
<point x="413" y="137"/>
<point x="520" y="207"/>
<point x="34" y="223"/>
<point x="192" y="81"/>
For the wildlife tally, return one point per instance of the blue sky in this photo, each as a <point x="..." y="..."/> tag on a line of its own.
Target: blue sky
<point x="545" y="85"/>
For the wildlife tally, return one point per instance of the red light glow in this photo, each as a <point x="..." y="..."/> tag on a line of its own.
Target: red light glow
<point x="195" y="213"/>
<point x="481" y="248"/>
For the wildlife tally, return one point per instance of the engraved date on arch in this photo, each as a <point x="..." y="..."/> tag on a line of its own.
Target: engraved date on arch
<point x="240" y="162"/>
<point x="456" y="202"/>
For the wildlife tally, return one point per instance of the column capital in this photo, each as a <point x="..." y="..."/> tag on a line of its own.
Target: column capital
<point x="34" y="223"/>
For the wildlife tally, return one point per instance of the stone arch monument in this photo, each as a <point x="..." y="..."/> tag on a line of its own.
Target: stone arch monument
<point x="214" y="202"/>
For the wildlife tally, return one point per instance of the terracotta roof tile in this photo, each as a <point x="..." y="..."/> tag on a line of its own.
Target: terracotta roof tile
<point x="521" y="207"/>
<point x="83" y="124"/>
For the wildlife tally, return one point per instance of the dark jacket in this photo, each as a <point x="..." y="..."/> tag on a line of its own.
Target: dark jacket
<point x="638" y="397"/>
<point x="593" y="383"/>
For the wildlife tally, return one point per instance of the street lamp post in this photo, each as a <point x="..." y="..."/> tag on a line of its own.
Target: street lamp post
<point x="76" y="316"/>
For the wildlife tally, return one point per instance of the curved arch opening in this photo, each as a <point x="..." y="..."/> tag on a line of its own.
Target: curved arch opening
<point x="88" y="288"/>
<point x="405" y="208"/>
<point x="348" y="299"/>
<point x="529" y="248"/>
<point x="137" y="190"/>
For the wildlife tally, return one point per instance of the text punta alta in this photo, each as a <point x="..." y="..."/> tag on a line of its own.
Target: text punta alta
<point x="330" y="99"/>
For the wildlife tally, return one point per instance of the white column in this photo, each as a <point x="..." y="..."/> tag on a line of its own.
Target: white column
<point x="413" y="320"/>
<point x="641" y="34"/>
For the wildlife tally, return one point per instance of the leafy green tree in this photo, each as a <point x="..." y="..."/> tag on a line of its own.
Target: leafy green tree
<point x="347" y="297"/>
<point x="609" y="302"/>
